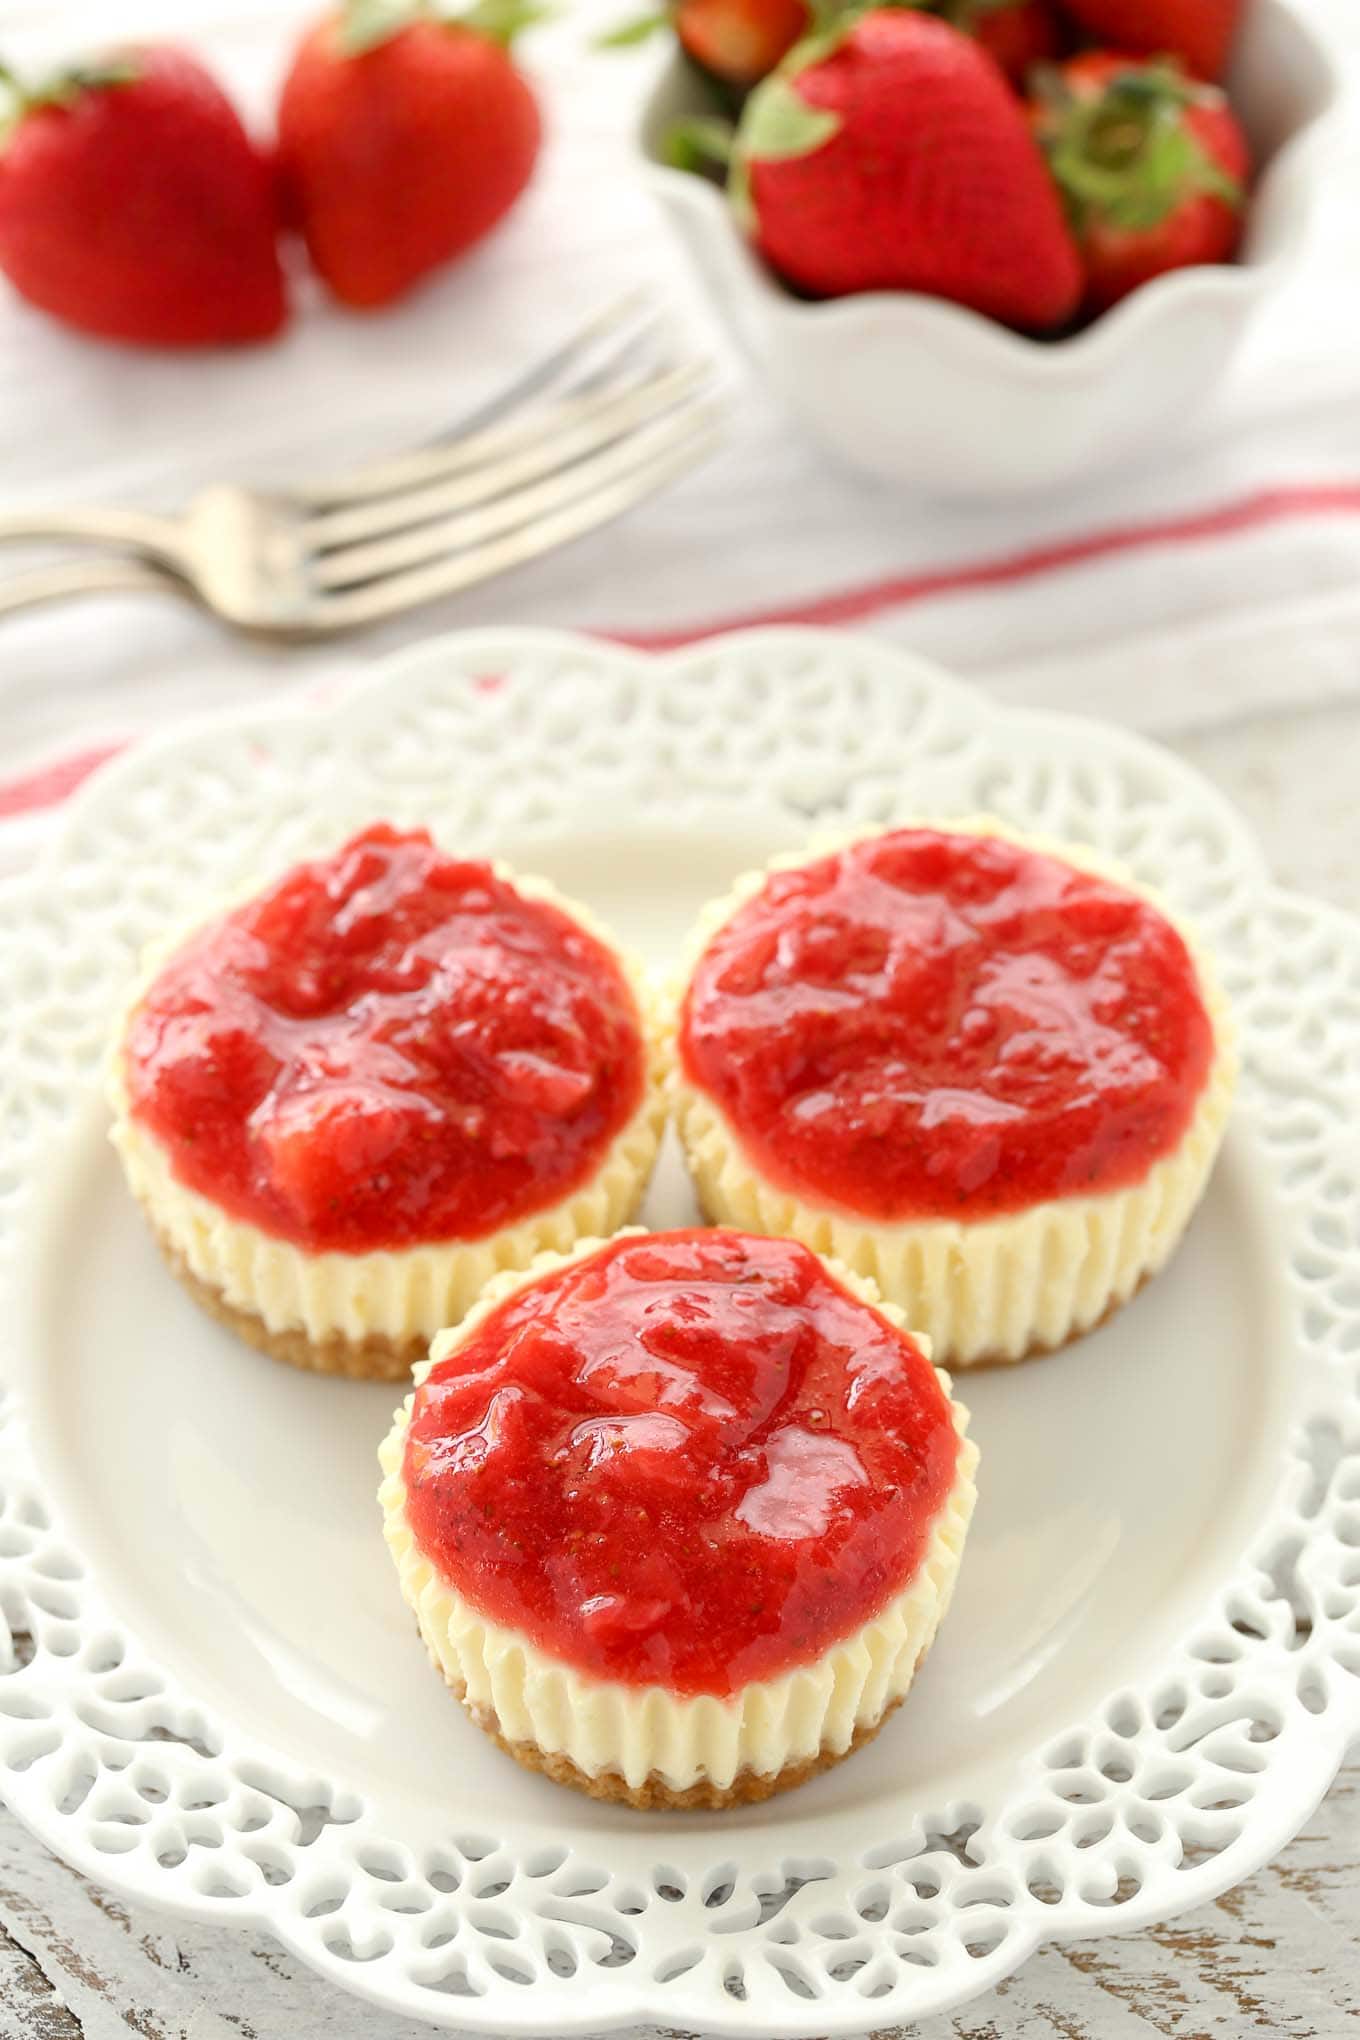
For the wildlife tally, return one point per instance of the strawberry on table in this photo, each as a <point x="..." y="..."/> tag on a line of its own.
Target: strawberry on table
<point x="133" y="204"/>
<point x="1200" y="32"/>
<point x="892" y="155"/>
<point x="1152" y="164"/>
<point x="404" y="137"/>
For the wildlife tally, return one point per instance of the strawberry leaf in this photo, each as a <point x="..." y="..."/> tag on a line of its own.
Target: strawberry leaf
<point x="11" y="99"/>
<point x="366" y="23"/>
<point x="739" y="197"/>
<point x="778" y="124"/>
<point x="699" y="144"/>
<point x="1212" y="179"/>
<point x="96" y="76"/>
<point x="831" y="18"/>
<point x="1129" y="157"/>
<point x="500" y="20"/>
<point x="63" y="88"/>
<point x="628" y="33"/>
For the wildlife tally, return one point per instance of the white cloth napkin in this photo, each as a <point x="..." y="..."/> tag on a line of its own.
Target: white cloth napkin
<point x="1223" y="581"/>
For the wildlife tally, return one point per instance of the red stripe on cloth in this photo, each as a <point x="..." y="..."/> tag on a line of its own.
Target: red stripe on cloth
<point x="51" y="784"/>
<point x="854" y="605"/>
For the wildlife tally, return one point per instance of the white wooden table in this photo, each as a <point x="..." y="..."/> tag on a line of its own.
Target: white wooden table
<point x="1279" y="1957"/>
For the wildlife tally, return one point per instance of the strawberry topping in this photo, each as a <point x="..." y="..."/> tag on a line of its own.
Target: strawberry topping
<point x="691" y="1459"/>
<point x="928" y="1025"/>
<point x="389" y="1046"/>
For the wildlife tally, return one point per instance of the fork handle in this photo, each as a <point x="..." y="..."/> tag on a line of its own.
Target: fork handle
<point x="85" y="577"/>
<point x="132" y="530"/>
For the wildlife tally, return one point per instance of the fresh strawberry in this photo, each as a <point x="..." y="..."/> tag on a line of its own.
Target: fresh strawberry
<point x="740" y="41"/>
<point x="404" y="137"/>
<point x="1200" y="32"/>
<point x="1018" y="33"/>
<point x="1153" y="165"/>
<point x="134" y="205"/>
<point x="894" y="156"/>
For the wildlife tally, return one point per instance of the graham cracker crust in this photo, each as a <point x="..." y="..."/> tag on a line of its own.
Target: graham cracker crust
<point x="654" y="1795"/>
<point x="376" y="1358"/>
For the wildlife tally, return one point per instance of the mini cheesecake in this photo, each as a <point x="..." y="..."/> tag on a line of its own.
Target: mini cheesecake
<point x="679" y="1514"/>
<point x="347" y="1103"/>
<point x="990" y="1073"/>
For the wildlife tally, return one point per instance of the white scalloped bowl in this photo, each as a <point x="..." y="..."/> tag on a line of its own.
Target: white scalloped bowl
<point x="923" y="392"/>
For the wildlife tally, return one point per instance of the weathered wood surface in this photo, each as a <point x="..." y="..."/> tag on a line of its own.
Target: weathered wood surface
<point x="1279" y="1957"/>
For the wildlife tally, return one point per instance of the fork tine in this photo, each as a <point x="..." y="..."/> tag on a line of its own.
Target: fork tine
<point x="353" y="564"/>
<point x="594" y="349"/>
<point x="398" y="592"/>
<point x="479" y="430"/>
<point x="560" y="440"/>
<point x="427" y="465"/>
<point x="644" y="347"/>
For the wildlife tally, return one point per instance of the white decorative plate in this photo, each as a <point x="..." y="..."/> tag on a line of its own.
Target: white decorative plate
<point x="210" y="1693"/>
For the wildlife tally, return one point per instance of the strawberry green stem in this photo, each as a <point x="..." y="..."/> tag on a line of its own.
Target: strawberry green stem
<point x="366" y="24"/>
<point x="62" y="88"/>
<point x="1129" y="157"/>
<point x="502" y="20"/>
<point x="700" y="144"/>
<point x="11" y="101"/>
<point x="641" y="28"/>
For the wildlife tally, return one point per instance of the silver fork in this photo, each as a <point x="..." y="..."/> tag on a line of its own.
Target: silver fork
<point x="592" y="429"/>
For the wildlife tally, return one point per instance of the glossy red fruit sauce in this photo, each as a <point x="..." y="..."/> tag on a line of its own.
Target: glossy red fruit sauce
<point x="936" y="1025"/>
<point x="387" y="1047"/>
<point x="691" y="1459"/>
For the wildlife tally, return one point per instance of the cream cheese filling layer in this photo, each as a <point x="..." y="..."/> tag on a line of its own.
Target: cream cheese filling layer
<point x="998" y="1288"/>
<point x="402" y="1294"/>
<point x="641" y="1732"/>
